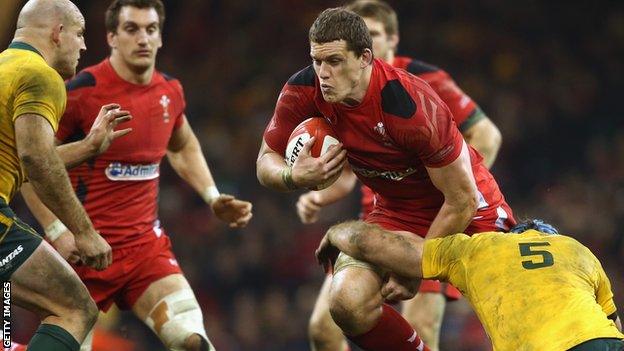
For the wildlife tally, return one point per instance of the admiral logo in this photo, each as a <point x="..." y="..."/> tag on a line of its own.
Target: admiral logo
<point x="11" y="256"/>
<point x="121" y="172"/>
<point x="389" y="175"/>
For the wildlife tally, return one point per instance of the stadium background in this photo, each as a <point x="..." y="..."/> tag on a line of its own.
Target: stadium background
<point x="548" y="73"/>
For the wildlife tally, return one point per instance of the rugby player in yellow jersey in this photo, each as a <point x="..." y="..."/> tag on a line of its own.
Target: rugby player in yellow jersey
<point x="45" y="50"/>
<point x="534" y="290"/>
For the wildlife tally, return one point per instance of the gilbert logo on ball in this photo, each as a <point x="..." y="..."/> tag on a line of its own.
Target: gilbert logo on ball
<point x="325" y="137"/>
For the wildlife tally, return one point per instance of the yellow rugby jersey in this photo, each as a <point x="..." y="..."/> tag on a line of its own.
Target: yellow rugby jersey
<point x="27" y="85"/>
<point x="531" y="291"/>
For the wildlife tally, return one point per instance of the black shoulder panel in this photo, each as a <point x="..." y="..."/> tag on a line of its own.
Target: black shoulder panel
<point x="304" y="77"/>
<point x="82" y="80"/>
<point x="167" y="77"/>
<point x="395" y="100"/>
<point x="418" y="67"/>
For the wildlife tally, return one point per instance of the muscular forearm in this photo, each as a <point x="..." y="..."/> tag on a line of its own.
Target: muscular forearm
<point x="397" y="252"/>
<point x="452" y="219"/>
<point x="190" y="164"/>
<point x="271" y="171"/>
<point x="340" y="189"/>
<point x="47" y="175"/>
<point x="73" y="154"/>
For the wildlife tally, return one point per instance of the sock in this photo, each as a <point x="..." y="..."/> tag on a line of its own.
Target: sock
<point x="50" y="337"/>
<point x="392" y="332"/>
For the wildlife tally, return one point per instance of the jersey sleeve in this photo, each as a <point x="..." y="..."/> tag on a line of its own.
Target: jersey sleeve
<point x="461" y="105"/>
<point x="442" y="259"/>
<point x="431" y="132"/>
<point x="294" y="104"/>
<point x="604" y="294"/>
<point x="179" y="118"/>
<point x="69" y="126"/>
<point x="40" y="91"/>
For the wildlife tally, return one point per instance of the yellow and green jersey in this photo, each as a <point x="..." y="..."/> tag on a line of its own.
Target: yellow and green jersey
<point x="531" y="291"/>
<point x="27" y="86"/>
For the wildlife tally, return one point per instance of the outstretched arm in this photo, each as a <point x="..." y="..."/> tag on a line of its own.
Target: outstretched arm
<point x="98" y="140"/>
<point x="187" y="159"/>
<point x="397" y="252"/>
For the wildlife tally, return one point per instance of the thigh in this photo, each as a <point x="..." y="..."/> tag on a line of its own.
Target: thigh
<point x="47" y="285"/>
<point x="156" y="291"/>
<point x="320" y="313"/>
<point x="155" y="268"/>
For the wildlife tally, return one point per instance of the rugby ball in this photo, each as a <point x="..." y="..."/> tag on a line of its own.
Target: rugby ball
<point x="325" y="137"/>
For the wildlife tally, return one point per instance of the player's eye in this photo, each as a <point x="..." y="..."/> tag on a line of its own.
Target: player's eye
<point x="316" y="62"/>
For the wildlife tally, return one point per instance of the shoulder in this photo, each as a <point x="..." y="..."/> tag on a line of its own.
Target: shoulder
<point x="35" y="70"/>
<point x="171" y="82"/>
<point x="305" y="77"/>
<point x="84" y="79"/>
<point x="418" y="67"/>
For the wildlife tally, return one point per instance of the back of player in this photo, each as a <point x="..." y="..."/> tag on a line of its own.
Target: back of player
<point x="532" y="291"/>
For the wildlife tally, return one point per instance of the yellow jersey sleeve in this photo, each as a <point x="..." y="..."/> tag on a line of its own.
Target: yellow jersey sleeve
<point x="604" y="294"/>
<point x="442" y="259"/>
<point x="40" y="91"/>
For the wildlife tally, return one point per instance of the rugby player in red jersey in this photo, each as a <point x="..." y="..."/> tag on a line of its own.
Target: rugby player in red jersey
<point x="119" y="188"/>
<point x="401" y="141"/>
<point x="425" y="311"/>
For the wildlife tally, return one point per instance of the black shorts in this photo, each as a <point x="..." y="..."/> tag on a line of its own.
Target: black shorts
<point x="601" y="344"/>
<point x="17" y="241"/>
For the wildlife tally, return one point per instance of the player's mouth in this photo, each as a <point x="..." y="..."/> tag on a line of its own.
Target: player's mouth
<point x="143" y="53"/>
<point x="326" y="88"/>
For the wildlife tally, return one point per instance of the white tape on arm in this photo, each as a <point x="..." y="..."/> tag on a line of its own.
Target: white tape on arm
<point x="55" y="229"/>
<point x="210" y="194"/>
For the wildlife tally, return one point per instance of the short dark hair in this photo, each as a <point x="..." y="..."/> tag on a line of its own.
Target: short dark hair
<point x="341" y="24"/>
<point x="535" y="224"/>
<point x="112" y="13"/>
<point x="378" y="10"/>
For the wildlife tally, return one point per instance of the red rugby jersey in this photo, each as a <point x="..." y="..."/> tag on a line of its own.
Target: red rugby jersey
<point x="400" y="127"/>
<point x="119" y="188"/>
<point x="460" y="104"/>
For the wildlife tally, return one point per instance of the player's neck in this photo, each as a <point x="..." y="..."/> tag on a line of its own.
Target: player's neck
<point x="33" y="41"/>
<point x="389" y="59"/>
<point x="130" y="75"/>
<point x="359" y="91"/>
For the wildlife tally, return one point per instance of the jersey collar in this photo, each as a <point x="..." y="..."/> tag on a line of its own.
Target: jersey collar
<point x="23" y="46"/>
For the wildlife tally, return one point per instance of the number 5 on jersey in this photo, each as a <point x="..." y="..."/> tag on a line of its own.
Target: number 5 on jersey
<point x="527" y="249"/>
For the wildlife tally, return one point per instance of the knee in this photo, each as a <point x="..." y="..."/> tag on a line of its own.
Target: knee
<point x="196" y="342"/>
<point x="355" y="314"/>
<point x="89" y="311"/>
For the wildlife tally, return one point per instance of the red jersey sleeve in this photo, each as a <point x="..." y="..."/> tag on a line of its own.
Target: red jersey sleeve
<point x="460" y="104"/>
<point x="431" y="132"/>
<point x="294" y="104"/>
<point x="179" y="118"/>
<point x="78" y="88"/>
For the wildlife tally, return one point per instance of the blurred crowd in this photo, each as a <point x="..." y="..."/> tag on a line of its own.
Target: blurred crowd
<point x="548" y="73"/>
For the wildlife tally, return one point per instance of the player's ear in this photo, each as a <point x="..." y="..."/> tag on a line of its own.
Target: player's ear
<point x="111" y="38"/>
<point x="56" y="34"/>
<point x="394" y="41"/>
<point x="367" y="58"/>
